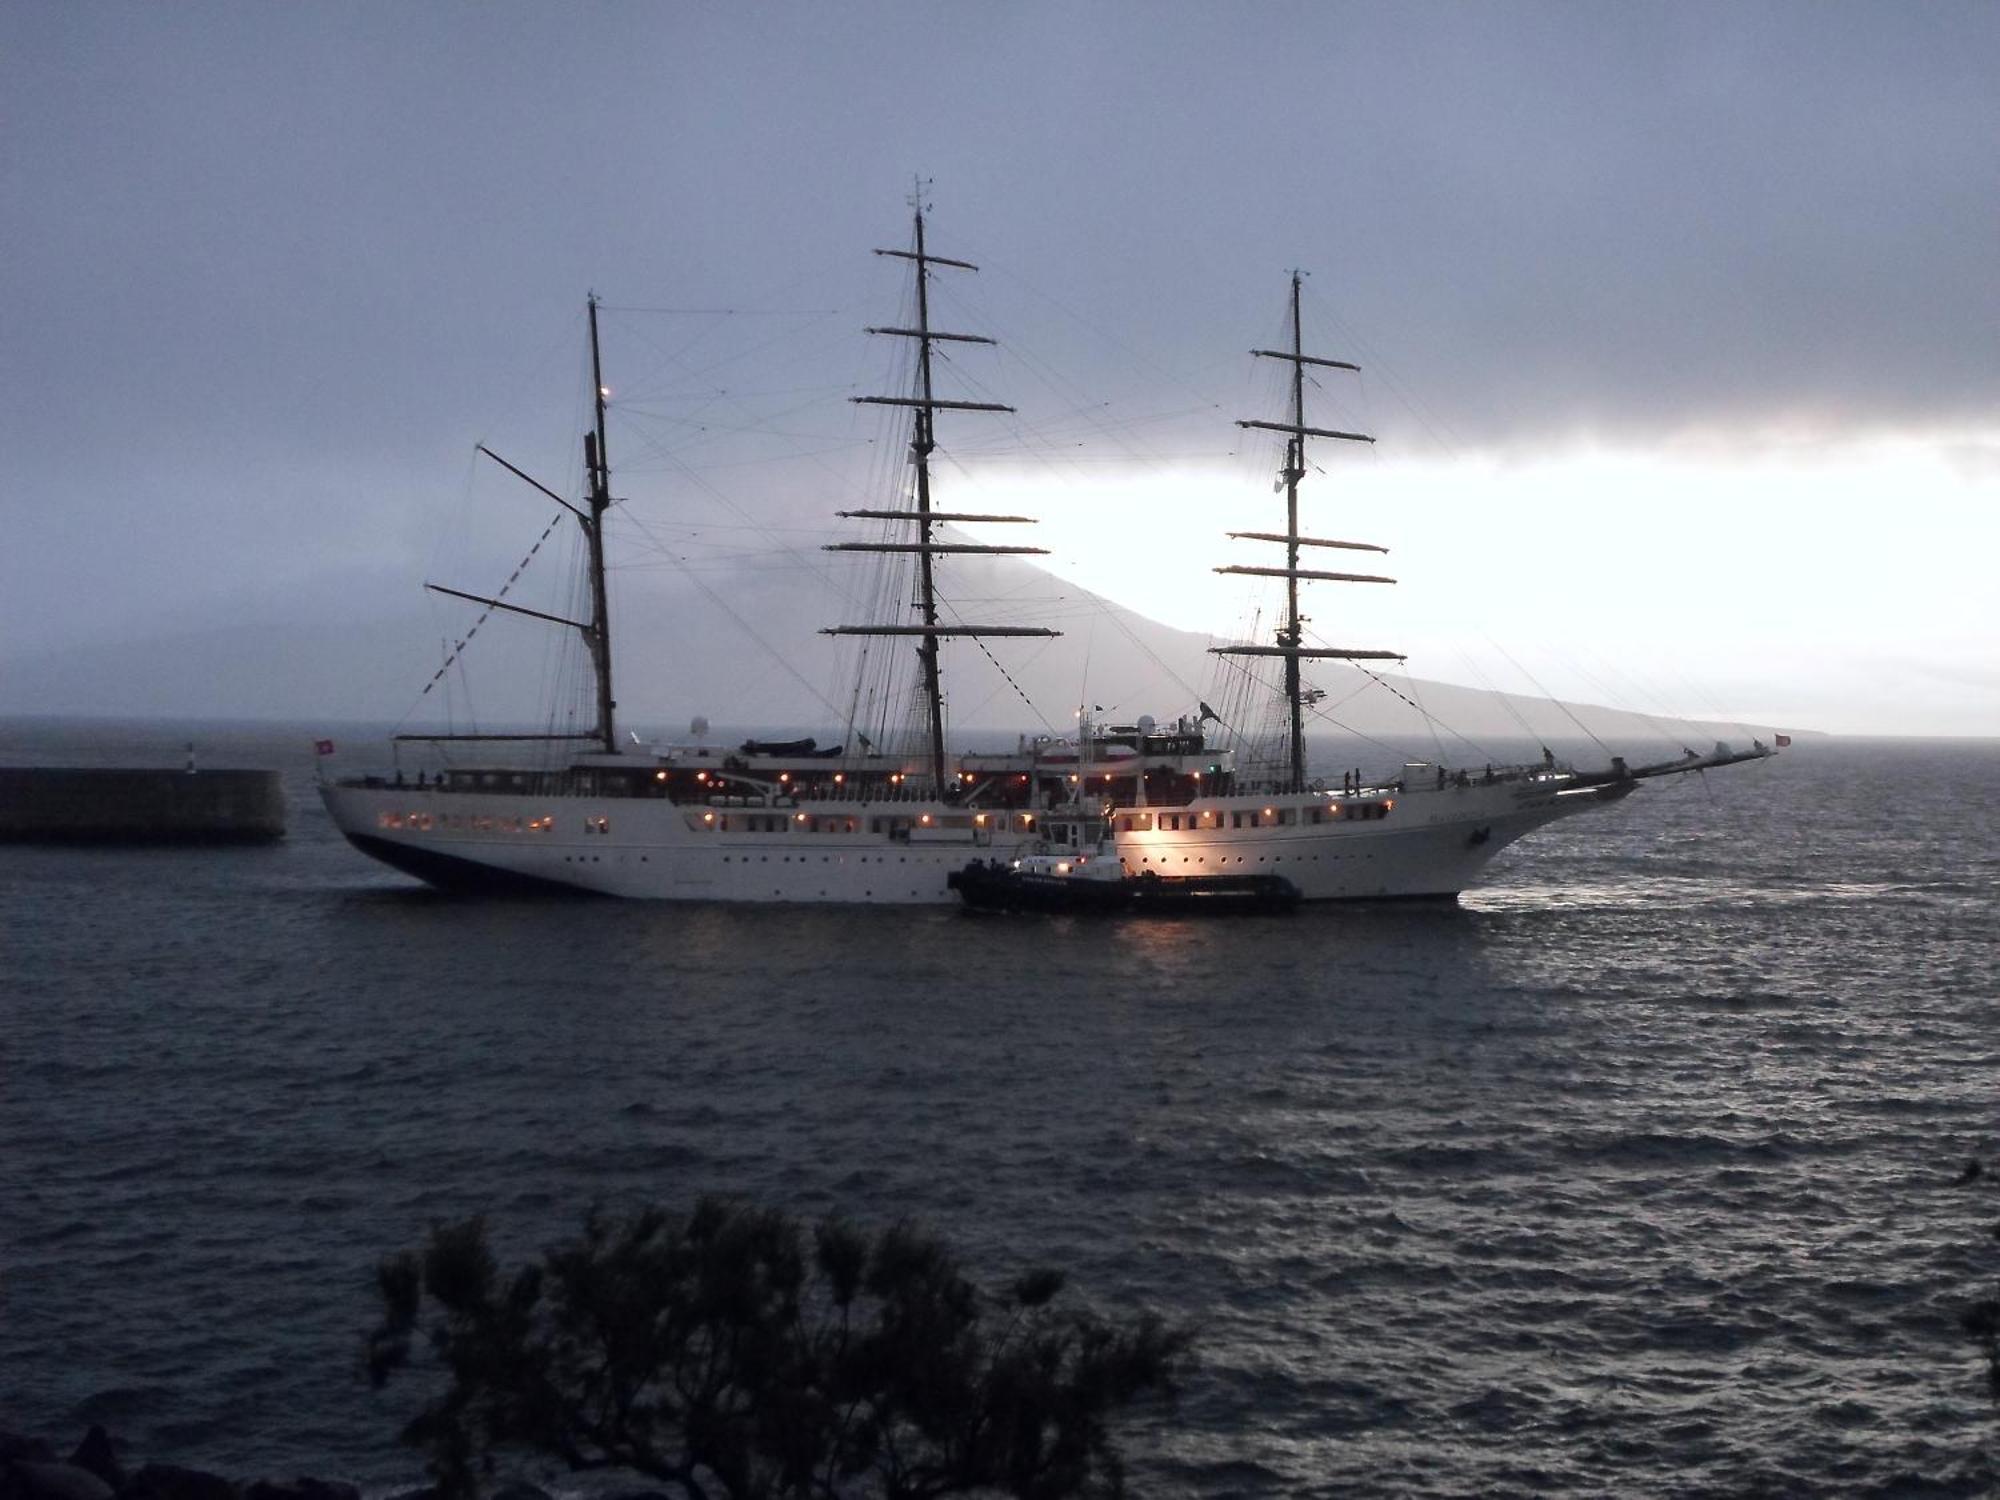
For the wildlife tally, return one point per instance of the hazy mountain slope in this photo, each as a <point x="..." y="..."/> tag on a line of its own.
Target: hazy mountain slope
<point x="751" y="656"/>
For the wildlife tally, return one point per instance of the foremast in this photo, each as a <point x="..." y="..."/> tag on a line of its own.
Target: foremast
<point x="1290" y="644"/>
<point x="924" y="405"/>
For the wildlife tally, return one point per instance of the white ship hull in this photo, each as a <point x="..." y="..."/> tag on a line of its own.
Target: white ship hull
<point x="660" y="850"/>
<point x="1401" y="844"/>
<point x="1430" y="843"/>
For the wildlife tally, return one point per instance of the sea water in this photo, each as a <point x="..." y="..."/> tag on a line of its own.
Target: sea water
<point x="1629" y="1173"/>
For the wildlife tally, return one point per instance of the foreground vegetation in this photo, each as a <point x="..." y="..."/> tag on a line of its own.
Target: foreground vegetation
<point x="733" y="1351"/>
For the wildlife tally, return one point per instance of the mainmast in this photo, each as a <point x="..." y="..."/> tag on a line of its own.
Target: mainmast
<point x="1291" y="633"/>
<point x="925" y="405"/>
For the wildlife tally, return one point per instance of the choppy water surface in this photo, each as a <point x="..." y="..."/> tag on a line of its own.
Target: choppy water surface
<point x="1627" y="1175"/>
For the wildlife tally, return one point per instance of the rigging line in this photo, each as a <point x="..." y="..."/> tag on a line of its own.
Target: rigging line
<point x="1054" y="445"/>
<point x="1083" y="684"/>
<point x="805" y="560"/>
<point x="1505" y="698"/>
<point x="1380" y="681"/>
<point x="465" y="690"/>
<point x="1374" y="360"/>
<point x="677" y="358"/>
<point x="1552" y="698"/>
<point x="1083" y="420"/>
<point x="457" y="525"/>
<point x="1437" y="740"/>
<point x="499" y="594"/>
<point x="534" y="371"/>
<point x="1700" y="696"/>
<point x="683" y="415"/>
<point x="1401" y="752"/>
<point x="642" y="402"/>
<point x="1110" y="612"/>
<point x="1663" y="712"/>
<point x="696" y="430"/>
<point x="762" y="460"/>
<point x="854" y="698"/>
<point x="1133" y="356"/>
<point x="668" y="403"/>
<point x="1020" y="691"/>
<point x="708" y="398"/>
<point x="744" y="625"/>
<point x="1240" y="679"/>
<point x="1604" y="689"/>
<point x="1431" y="720"/>
<point x="724" y="312"/>
<point x="1082" y="404"/>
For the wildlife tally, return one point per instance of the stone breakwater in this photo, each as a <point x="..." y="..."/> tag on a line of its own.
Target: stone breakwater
<point x="105" y="805"/>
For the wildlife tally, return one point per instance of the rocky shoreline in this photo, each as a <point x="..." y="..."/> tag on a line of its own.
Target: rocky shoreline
<point x="33" y="1469"/>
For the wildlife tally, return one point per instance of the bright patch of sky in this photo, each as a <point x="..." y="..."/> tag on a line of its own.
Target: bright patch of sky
<point x="1841" y="584"/>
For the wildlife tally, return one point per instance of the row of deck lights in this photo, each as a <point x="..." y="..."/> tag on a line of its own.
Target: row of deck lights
<point x="924" y="819"/>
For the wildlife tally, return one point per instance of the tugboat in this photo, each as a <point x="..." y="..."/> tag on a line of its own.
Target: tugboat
<point x="1095" y="882"/>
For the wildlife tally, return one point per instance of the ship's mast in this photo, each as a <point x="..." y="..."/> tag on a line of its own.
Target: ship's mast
<point x="1291" y="632"/>
<point x="596" y="631"/>
<point x="597" y="461"/>
<point x="922" y="442"/>
<point x="1295" y="468"/>
<point x="925" y="405"/>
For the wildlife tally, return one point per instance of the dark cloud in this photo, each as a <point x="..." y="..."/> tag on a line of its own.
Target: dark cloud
<point x="269" y="270"/>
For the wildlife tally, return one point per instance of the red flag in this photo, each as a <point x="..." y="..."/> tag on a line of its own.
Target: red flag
<point x="1781" y="740"/>
<point x="324" y="747"/>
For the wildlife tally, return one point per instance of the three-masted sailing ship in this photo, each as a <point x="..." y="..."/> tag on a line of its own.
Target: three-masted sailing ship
<point x="794" y="822"/>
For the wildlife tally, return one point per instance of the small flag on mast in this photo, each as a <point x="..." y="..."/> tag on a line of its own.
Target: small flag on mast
<point x="1781" y="740"/>
<point x="323" y="747"/>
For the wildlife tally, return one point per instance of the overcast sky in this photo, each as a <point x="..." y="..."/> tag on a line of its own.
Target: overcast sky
<point x="1680" y="323"/>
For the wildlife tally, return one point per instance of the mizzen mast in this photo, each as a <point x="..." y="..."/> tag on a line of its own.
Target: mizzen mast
<point x="596" y="631"/>
<point x="925" y="404"/>
<point x="1291" y="633"/>
<point x="597" y="460"/>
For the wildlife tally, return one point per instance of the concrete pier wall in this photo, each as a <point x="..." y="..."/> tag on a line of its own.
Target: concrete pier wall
<point x="68" y="805"/>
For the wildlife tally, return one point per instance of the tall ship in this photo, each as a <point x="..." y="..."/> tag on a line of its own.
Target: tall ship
<point x="759" y="821"/>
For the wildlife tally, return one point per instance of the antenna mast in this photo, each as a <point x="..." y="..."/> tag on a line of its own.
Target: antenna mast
<point x="923" y="441"/>
<point x="1291" y="633"/>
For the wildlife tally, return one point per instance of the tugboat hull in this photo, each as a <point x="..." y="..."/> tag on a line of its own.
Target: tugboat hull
<point x="985" y="887"/>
